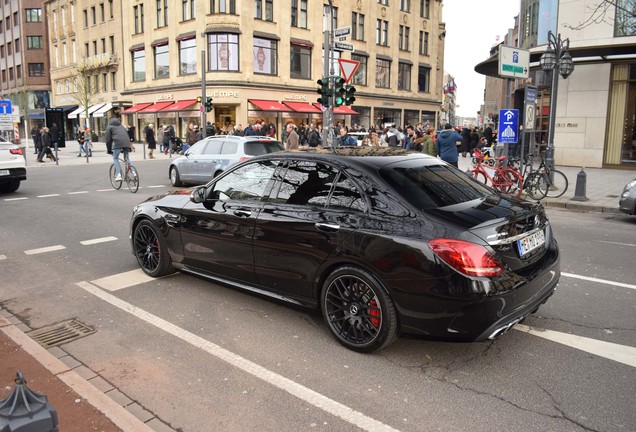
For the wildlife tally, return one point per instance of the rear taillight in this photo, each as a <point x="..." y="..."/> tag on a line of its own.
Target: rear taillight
<point x="467" y="258"/>
<point x="243" y="159"/>
<point x="17" y="151"/>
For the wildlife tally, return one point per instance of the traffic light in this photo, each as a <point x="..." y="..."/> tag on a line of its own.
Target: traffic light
<point x="350" y="95"/>
<point x="339" y="92"/>
<point x="208" y="104"/>
<point x="199" y="99"/>
<point x="323" y="91"/>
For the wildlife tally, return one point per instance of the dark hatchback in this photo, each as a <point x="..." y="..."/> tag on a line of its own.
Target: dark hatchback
<point x="382" y="241"/>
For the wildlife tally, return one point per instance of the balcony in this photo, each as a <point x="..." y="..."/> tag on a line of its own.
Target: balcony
<point x="97" y="61"/>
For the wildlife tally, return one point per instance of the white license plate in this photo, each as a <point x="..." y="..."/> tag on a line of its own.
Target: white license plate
<point x="4" y="172"/>
<point x="531" y="242"/>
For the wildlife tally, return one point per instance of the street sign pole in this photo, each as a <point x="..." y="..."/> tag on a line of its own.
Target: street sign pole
<point x="328" y="72"/>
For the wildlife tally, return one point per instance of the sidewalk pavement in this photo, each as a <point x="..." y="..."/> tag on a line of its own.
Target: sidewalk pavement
<point x="85" y="401"/>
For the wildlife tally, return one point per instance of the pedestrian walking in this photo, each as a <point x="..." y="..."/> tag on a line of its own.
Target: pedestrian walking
<point x="45" y="136"/>
<point x="191" y="135"/>
<point x="292" y="141"/>
<point x="80" y="141"/>
<point x="168" y="138"/>
<point x="150" y="140"/>
<point x="36" y="134"/>
<point x="465" y="145"/>
<point x="446" y="145"/>
<point x="88" y="142"/>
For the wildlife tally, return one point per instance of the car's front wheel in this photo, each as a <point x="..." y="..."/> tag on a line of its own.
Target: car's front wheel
<point x="151" y="250"/>
<point x="174" y="177"/>
<point x="358" y="311"/>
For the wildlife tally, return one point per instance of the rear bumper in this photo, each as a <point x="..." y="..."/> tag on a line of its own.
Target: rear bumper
<point x="14" y="174"/>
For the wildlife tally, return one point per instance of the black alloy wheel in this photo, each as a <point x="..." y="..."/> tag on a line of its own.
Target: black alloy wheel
<point x="151" y="251"/>
<point x="358" y="311"/>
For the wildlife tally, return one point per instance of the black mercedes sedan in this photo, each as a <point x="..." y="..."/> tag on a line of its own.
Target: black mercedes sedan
<point x="381" y="240"/>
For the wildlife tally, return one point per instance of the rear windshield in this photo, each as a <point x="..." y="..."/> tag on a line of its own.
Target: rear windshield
<point x="256" y="148"/>
<point x="433" y="186"/>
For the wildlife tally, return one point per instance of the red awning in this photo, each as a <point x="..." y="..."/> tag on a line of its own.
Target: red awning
<point x="340" y="110"/>
<point x="303" y="107"/>
<point x="268" y="105"/>
<point x="136" y="108"/>
<point x="180" y="106"/>
<point x="156" y="107"/>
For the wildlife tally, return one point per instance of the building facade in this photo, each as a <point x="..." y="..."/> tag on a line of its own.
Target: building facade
<point x="260" y="58"/>
<point x="24" y="65"/>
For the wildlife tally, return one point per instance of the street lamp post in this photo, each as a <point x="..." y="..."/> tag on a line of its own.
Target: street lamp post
<point x="558" y="60"/>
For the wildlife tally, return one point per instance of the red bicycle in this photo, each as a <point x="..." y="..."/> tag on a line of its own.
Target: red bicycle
<point x="502" y="178"/>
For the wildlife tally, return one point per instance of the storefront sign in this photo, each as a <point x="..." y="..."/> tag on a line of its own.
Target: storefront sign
<point x="167" y="96"/>
<point x="291" y="97"/>
<point x="571" y="125"/>
<point x="388" y="104"/>
<point x="225" y="94"/>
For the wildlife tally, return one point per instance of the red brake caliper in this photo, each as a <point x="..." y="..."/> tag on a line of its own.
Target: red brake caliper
<point x="374" y="312"/>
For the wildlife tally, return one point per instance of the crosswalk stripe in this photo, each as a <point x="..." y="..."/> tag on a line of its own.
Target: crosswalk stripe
<point x="105" y="190"/>
<point x="3" y="257"/>
<point x="98" y="240"/>
<point x="44" y="250"/>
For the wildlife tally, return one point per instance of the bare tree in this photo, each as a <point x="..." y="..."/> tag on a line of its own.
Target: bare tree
<point x="83" y="91"/>
<point x="624" y="19"/>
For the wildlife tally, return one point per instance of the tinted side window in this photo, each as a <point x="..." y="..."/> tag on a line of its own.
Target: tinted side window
<point x="345" y="196"/>
<point x="256" y="148"/>
<point x="229" y="147"/>
<point x="246" y="183"/>
<point x="430" y="187"/>
<point x="213" y="147"/>
<point x="306" y="183"/>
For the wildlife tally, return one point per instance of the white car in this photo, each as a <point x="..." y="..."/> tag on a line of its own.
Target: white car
<point x="12" y="166"/>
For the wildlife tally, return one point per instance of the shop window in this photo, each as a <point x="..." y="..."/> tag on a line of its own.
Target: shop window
<point x="382" y="73"/>
<point x="223" y="52"/>
<point x="265" y="56"/>
<point x="300" y="62"/>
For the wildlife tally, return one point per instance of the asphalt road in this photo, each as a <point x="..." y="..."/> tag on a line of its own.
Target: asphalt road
<point x="204" y="357"/>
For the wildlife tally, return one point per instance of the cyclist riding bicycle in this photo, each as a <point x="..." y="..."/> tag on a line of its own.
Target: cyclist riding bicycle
<point x="118" y="142"/>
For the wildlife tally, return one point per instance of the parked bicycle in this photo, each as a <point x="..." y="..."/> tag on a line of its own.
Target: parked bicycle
<point x="542" y="182"/>
<point x="502" y="178"/>
<point x="129" y="175"/>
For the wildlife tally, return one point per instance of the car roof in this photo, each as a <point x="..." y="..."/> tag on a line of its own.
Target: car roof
<point x="242" y="138"/>
<point x="376" y="157"/>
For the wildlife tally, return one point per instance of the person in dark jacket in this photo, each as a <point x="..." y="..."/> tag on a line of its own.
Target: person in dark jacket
<point x="446" y="144"/>
<point x="168" y="138"/>
<point x="118" y="141"/>
<point x="465" y="146"/>
<point x="151" y="140"/>
<point x="45" y="136"/>
<point x="55" y="135"/>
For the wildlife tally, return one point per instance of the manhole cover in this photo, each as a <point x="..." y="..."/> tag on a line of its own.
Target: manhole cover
<point x="60" y="333"/>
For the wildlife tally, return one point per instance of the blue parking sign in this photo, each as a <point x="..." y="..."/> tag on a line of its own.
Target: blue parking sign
<point x="508" y="126"/>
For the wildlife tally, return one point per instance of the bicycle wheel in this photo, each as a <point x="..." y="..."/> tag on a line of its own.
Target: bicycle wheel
<point x="536" y="186"/>
<point x="508" y="181"/>
<point x="111" y="175"/>
<point x="558" y="186"/>
<point x="480" y="176"/>
<point x="132" y="179"/>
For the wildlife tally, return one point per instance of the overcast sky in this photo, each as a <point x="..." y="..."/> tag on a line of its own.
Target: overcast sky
<point x="472" y="27"/>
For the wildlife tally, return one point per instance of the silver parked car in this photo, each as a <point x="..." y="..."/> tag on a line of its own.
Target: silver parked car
<point x="627" y="202"/>
<point x="211" y="156"/>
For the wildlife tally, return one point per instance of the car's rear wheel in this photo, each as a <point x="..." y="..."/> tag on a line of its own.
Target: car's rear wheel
<point x="10" y="186"/>
<point x="151" y="250"/>
<point x="174" y="177"/>
<point x="358" y="311"/>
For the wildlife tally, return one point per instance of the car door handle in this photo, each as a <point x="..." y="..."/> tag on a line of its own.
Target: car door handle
<point x="327" y="227"/>
<point x="242" y="213"/>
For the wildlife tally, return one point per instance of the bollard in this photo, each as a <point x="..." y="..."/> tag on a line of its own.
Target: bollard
<point x="26" y="411"/>
<point x="581" y="184"/>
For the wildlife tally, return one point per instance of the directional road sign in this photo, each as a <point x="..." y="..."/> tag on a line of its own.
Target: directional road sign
<point x="508" y="126"/>
<point x="343" y="46"/>
<point x="513" y="62"/>
<point x="530" y="106"/>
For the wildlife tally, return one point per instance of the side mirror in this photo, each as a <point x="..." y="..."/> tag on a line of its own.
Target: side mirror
<point x="198" y="195"/>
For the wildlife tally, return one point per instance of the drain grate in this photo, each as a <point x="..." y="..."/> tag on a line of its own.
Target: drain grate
<point x="60" y="333"/>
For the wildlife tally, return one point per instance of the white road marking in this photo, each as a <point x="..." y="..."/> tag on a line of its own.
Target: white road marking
<point x="16" y="199"/>
<point x="44" y="250"/>
<point x="293" y="388"/>
<point x="3" y="257"/>
<point x="105" y="190"/>
<point x="98" y="240"/>
<point x="156" y="186"/>
<point x="619" y="353"/>
<point x="78" y="192"/>
<point x="617" y="243"/>
<point x="48" y="196"/>
<point x="603" y="281"/>
<point x="123" y="280"/>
